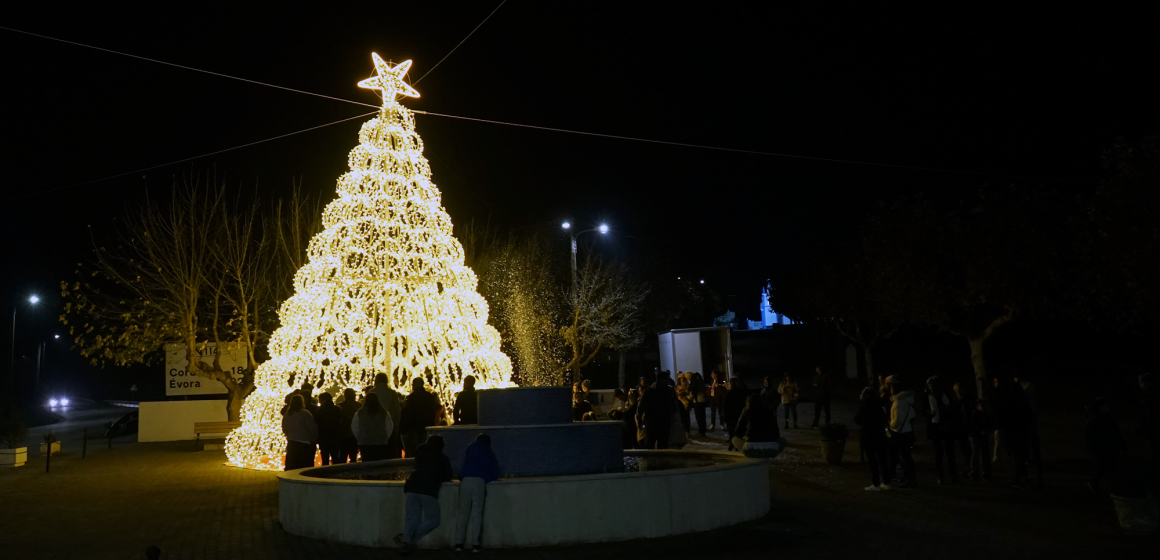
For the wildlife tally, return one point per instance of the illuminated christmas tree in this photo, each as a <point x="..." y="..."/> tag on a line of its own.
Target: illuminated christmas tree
<point x="385" y="289"/>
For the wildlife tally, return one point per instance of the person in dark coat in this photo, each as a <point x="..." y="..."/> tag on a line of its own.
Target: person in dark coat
<point x="392" y="401"/>
<point x="655" y="413"/>
<point x="432" y="469"/>
<point x="419" y="411"/>
<point x="732" y="407"/>
<point x="979" y="430"/>
<point x="823" y="386"/>
<point x="1105" y="443"/>
<point x="872" y="420"/>
<point x="480" y="467"/>
<point x="757" y="424"/>
<point x="330" y="433"/>
<point x="348" y="446"/>
<point x="466" y="405"/>
<point x="1012" y="419"/>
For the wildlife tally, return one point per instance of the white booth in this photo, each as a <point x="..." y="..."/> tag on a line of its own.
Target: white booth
<point x="698" y="350"/>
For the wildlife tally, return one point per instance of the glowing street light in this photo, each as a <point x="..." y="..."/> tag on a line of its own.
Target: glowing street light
<point x="12" y="351"/>
<point x="602" y="228"/>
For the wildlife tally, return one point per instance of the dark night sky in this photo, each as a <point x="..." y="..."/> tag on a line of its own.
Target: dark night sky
<point x="1038" y="93"/>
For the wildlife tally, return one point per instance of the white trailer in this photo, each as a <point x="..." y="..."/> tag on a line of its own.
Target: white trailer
<point x="699" y="350"/>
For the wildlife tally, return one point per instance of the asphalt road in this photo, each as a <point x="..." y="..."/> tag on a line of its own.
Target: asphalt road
<point x="77" y="417"/>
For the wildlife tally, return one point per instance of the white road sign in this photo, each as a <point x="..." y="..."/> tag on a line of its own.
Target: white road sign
<point x="179" y="381"/>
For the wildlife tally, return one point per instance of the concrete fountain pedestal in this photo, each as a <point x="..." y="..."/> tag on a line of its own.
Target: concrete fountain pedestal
<point x="551" y="493"/>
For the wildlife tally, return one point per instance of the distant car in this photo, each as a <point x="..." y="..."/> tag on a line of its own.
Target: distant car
<point x="124" y="426"/>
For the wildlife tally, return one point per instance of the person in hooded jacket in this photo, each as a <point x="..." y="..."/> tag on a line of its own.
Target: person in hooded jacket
<point x="872" y="420"/>
<point x="372" y="427"/>
<point x="301" y="434"/>
<point x="329" y="419"/>
<point x="479" y="468"/>
<point x="902" y="414"/>
<point x="419" y="411"/>
<point x="432" y="469"/>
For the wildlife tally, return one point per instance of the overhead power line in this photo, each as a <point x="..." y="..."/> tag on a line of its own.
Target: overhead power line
<point x="519" y="125"/>
<point x="166" y="164"/>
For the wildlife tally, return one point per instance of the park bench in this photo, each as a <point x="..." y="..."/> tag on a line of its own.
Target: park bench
<point x="207" y="428"/>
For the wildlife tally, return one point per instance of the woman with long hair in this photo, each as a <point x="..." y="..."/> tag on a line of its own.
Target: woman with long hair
<point x="372" y="427"/>
<point x="301" y="434"/>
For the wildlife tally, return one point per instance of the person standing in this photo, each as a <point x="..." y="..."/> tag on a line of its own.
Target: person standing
<point x="419" y="411"/>
<point x="580" y="406"/>
<point x="734" y="404"/>
<point x="330" y="433"/>
<point x="349" y="405"/>
<point x="700" y="401"/>
<point x="392" y="401"/>
<point x="788" y="389"/>
<point x="872" y="420"/>
<point x="1105" y="443"/>
<point x="717" y="389"/>
<point x="372" y="426"/>
<point x="421" y="490"/>
<point x="301" y="433"/>
<point x="902" y="413"/>
<point x="943" y="414"/>
<point x="466" y="405"/>
<point x="979" y="429"/>
<point x="823" y="385"/>
<point x="655" y="413"/>
<point x="480" y="467"/>
<point x="1031" y="395"/>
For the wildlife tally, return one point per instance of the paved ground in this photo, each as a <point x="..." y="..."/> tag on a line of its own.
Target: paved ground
<point x="118" y="501"/>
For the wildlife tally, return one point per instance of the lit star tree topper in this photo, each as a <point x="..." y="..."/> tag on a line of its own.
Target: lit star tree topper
<point x="384" y="289"/>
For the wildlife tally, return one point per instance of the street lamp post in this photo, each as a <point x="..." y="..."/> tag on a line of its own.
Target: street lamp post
<point x="602" y="228"/>
<point x="12" y="353"/>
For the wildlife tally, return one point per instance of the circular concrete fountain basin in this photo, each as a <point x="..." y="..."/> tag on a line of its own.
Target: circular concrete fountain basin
<point x="343" y="503"/>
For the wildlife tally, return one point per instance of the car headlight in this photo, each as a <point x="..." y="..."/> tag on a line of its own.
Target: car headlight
<point x="53" y="402"/>
<point x="64" y="402"/>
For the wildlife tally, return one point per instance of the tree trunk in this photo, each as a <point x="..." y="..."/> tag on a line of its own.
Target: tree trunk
<point x="620" y="371"/>
<point x="978" y="363"/>
<point x="871" y="380"/>
<point x="234" y="398"/>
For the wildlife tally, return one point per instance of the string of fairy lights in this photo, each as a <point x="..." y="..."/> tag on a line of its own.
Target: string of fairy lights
<point x="385" y="288"/>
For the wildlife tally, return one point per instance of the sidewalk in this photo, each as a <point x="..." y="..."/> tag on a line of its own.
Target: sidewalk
<point x="116" y="502"/>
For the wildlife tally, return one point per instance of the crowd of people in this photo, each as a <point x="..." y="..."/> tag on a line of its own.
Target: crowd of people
<point x="378" y="424"/>
<point x="982" y="432"/>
